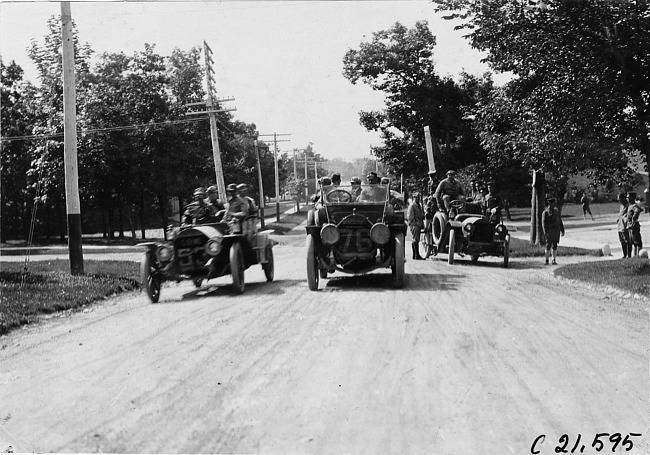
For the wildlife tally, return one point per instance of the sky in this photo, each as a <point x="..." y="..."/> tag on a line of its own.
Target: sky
<point x="281" y="61"/>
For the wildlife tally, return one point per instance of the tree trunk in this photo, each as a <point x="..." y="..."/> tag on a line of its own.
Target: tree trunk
<point x="131" y="220"/>
<point x="120" y="213"/>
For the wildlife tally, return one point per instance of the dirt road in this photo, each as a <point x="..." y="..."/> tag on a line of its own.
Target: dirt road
<point x="466" y="359"/>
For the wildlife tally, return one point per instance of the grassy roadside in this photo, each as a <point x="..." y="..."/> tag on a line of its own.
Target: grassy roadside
<point x="630" y="275"/>
<point x="48" y="287"/>
<point x="523" y="249"/>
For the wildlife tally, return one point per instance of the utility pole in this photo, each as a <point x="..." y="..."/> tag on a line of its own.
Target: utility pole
<point x="259" y="178"/>
<point x="306" y="178"/>
<point x="277" y="172"/>
<point x="212" y="109"/>
<point x="73" y="207"/>
<point x="295" y="179"/>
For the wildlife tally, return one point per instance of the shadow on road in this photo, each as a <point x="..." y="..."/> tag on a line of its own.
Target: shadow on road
<point x="384" y="282"/>
<point x="225" y="289"/>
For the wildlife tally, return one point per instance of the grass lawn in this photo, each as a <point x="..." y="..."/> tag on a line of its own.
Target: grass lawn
<point x="48" y="287"/>
<point x="523" y="249"/>
<point x="631" y="275"/>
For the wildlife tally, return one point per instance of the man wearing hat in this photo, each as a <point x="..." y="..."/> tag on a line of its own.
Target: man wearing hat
<point x="493" y="204"/>
<point x="355" y="182"/>
<point x="336" y="179"/>
<point x="197" y="211"/>
<point x="634" y="210"/>
<point x="374" y="192"/>
<point x="552" y="227"/>
<point x="449" y="190"/>
<point x="415" y="219"/>
<point x="213" y="198"/>
<point x="242" y="191"/>
<point x="236" y="209"/>
<point x="623" y="233"/>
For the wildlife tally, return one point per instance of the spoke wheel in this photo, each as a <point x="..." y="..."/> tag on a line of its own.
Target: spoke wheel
<point x="237" y="267"/>
<point x="452" y="246"/>
<point x="506" y="252"/>
<point x="269" y="267"/>
<point x="398" y="261"/>
<point x="312" y="264"/>
<point x="149" y="276"/>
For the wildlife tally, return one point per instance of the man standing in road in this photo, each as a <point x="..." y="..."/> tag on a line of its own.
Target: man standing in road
<point x="449" y="190"/>
<point x="633" y="226"/>
<point x="623" y="234"/>
<point x="552" y="226"/>
<point x="584" y="200"/>
<point x="415" y="218"/>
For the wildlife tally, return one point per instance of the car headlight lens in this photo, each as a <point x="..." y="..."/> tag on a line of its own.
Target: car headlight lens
<point x="469" y="228"/>
<point x="329" y="234"/>
<point x="380" y="233"/>
<point x="164" y="253"/>
<point x="502" y="230"/>
<point x="213" y="247"/>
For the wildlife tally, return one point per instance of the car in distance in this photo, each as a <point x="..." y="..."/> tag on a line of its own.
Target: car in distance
<point x="354" y="229"/>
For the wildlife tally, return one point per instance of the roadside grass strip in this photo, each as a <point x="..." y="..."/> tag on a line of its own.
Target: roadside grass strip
<point x="523" y="249"/>
<point x="47" y="287"/>
<point x="630" y="275"/>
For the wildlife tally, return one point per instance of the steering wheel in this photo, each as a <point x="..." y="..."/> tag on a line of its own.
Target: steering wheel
<point x="339" y="195"/>
<point x="456" y="204"/>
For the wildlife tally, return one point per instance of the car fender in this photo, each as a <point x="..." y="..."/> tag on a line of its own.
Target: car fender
<point x="149" y="246"/>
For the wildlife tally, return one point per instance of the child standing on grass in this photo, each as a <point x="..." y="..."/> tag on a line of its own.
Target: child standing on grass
<point x="623" y="233"/>
<point x="633" y="226"/>
<point x="553" y="228"/>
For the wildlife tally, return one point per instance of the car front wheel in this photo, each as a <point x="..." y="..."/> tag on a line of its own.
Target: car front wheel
<point x="452" y="246"/>
<point x="149" y="275"/>
<point x="312" y="263"/>
<point x="237" y="267"/>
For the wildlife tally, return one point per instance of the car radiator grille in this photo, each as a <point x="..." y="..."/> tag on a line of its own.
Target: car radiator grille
<point x="483" y="233"/>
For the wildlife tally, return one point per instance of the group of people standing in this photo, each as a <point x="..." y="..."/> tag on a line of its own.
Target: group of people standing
<point x="206" y="207"/>
<point x="629" y="227"/>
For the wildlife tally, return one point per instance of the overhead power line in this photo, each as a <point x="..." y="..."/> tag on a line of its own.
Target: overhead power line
<point x="101" y="130"/>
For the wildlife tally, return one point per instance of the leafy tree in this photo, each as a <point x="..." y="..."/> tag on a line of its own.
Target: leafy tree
<point x="399" y="62"/>
<point x="580" y="98"/>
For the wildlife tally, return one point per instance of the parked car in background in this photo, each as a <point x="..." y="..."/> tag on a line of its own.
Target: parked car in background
<point x="465" y="230"/>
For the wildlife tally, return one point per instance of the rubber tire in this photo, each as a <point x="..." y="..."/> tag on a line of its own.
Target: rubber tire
<point x="437" y="226"/>
<point x="398" y="266"/>
<point x="506" y="252"/>
<point x="269" y="266"/>
<point x="311" y="218"/>
<point x="423" y="248"/>
<point x="452" y="246"/>
<point x="312" y="264"/>
<point x="150" y="283"/>
<point x="237" y="268"/>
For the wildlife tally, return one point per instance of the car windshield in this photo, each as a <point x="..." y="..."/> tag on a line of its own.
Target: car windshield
<point x="357" y="194"/>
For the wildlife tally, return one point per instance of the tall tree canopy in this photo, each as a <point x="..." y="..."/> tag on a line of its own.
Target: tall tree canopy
<point x="581" y="93"/>
<point x="399" y="62"/>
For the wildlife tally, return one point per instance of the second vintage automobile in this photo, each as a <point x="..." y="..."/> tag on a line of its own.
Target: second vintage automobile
<point x="200" y="252"/>
<point x="465" y="230"/>
<point x="354" y="229"/>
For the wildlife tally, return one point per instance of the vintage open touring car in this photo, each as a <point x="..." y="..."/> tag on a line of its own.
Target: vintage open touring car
<point x="354" y="229"/>
<point x="465" y="230"/>
<point x="200" y="252"/>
